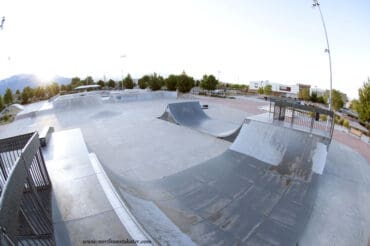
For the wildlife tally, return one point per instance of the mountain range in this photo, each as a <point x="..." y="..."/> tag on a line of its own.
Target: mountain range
<point x="19" y="81"/>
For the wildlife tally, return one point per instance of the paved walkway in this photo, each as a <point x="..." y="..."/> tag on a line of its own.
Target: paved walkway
<point x="353" y="142"/>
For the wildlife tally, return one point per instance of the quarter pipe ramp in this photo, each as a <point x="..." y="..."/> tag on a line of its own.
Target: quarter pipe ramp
<point x="191" y="114"/>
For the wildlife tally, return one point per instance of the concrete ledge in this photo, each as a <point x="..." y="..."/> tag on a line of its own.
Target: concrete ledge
<point x="80" y="208"/>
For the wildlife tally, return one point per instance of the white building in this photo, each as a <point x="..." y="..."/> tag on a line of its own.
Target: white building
<point x="319" y="92"/>
<point x="277" y="88"/>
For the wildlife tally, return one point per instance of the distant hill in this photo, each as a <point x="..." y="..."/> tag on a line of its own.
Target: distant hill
<point x="19" y="81"/>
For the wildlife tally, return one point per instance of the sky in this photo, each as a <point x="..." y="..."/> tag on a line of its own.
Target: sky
<point x="236" y="40"/>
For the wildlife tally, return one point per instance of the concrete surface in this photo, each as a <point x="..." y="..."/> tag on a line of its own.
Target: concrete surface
<point x="80" y="208"/>
<point x="235" y="198"/>
<point x="133" y="144"/>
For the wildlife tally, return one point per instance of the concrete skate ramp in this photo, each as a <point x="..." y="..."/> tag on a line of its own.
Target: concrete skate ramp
<point x="191" y="114"/>
<point x="77" y="101"/>
<point x="236" y="199"/>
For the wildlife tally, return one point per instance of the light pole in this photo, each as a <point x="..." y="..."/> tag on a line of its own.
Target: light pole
<point x="317" y="4"/>
<point x="2" y="23"/>
<point x="122" y="56"/>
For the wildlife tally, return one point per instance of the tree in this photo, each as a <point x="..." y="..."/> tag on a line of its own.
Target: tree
<point x="1" y="103"/>
<point x="267" y="89"/>
<point x="89" y="80"/>
<point x="143" y="82"/>
<point x="101" y="83"/>
<point x="17" y="92"/>
<point x="69" y="87"/>
<point x="337" y="101"/>
<point x="185" y="83"/>
<point x="321" y="100"/>
<point x="260" y="90"/>
<point x="52" y="89"/>
<point x="313" y="97"/>
<point x="27" y="94"/>
<point x="304" y="94"/>
<point x="363" y="104"/>
<point x="75" y="81"/>
<point x="208" y="82"/>
<point x="128" y="83"/>
<point x="111" y="83"/>
<point x="8" y="96"/>
<point x="39" y="92"/>
<point x="155" y="82"/>
<point x="171" y="82"/>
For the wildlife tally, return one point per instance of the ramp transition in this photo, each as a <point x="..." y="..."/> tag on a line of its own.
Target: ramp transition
<point x="191" y="114"/>
<point x="241" y="198"/>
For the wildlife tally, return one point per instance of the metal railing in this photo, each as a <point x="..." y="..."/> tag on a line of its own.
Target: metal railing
<point x="308" y="118"/>
<point x="25" y="193"/>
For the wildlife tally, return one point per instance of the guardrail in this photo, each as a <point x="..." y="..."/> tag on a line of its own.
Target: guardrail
<point x="25" y="193"/>
<point x="303" y="117"/>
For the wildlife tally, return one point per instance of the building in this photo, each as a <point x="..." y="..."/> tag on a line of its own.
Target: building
<point x="319" y="92"/>
<point x="278" y="89"/>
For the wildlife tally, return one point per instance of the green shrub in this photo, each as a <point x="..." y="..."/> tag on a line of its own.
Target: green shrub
<point x="341" y="121"/>
<point x="346" y="123"/>
<point x="323" y="117"/>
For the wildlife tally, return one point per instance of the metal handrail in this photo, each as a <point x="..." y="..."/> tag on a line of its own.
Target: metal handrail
<point x="25" y="205"/>
<point x="303" y="117"/>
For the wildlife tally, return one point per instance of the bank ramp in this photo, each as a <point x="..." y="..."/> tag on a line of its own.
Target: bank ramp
<point x="260" y="191"/>
<point x="190" y="114"/>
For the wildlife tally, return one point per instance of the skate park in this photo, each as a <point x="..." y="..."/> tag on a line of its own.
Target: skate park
<point x="120" y="172"/>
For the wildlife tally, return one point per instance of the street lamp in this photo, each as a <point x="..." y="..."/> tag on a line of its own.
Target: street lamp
<point x="2" y="23"/>
<point x="317" y="4"/>
<point x="122" y="56"/>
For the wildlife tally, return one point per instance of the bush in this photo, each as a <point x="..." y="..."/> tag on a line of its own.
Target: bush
<point x="185" y="83"/>
<point x="155" y="82"/>
<point x="5" y="117"/>
<point x="208" y="82"/>
<point x="171" y="82"/>
<point x="143" y="82"/>
<point x="323" y="117"/>
<point x="346" y="123"/>
<point x="128" y="83"/>
<point x="341" y="121"/>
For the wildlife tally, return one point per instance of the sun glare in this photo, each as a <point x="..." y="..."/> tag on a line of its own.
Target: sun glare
<point x="45" y="77"/>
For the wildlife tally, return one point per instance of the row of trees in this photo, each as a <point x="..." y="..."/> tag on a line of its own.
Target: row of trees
<point x="183" y="83"/>
<point x="29" y="94"/>
<point x="338" y="98"/>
